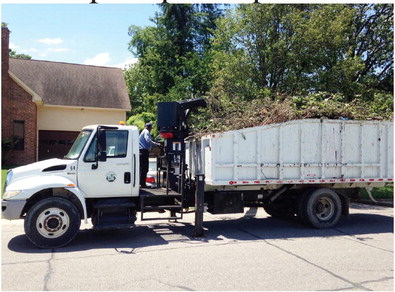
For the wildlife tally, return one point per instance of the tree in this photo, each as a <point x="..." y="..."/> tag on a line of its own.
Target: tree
<point x="322" y="54"/>
<point x="173" y="55"/>
<point x="14" y="54"/>
<point x="253" y="50"/>
<point x="371" y="40"/>
<point x="272" y="49"/>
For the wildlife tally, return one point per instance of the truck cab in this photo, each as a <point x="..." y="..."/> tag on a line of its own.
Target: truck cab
<point x="108" y="158"/>
<point x="54" y="195"/>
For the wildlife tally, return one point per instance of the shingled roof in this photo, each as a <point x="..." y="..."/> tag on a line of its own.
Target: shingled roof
<point x="67" y="84"/>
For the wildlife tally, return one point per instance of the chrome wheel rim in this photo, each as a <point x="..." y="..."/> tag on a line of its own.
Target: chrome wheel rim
<point x="53" y="223"/>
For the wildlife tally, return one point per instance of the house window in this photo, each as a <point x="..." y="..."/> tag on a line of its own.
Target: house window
<point x="19" y="135"/>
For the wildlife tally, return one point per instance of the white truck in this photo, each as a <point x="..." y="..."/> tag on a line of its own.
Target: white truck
<point x="306" y="169"/>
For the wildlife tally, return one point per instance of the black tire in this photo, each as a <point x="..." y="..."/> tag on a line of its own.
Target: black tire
<point x="280" y="209"/>
<point x="321" y="208"/>
<point x="52" y="222"/>
<point x="301" y="201"/>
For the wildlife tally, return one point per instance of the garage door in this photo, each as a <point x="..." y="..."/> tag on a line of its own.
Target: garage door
<point x="55" y="144"/>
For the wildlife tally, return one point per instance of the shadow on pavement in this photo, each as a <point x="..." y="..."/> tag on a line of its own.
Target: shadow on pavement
<point x="246" y="228"/>
<point x="86" y="239"/>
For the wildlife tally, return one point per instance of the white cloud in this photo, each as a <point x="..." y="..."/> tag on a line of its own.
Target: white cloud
<point x="127" y="63"/>
<point x="101" y="59"/>
<point x="49" y="41"/>
<point x="57" y="50"/>
<point x="14" y="46"/>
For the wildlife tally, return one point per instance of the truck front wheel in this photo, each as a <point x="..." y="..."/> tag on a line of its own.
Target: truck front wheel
<point x="321" y="208"/>
<point x="52" y="222"/>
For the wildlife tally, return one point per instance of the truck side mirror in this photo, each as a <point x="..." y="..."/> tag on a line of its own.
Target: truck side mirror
<point x="101" y="154"/>
<point x="101" y="145"/>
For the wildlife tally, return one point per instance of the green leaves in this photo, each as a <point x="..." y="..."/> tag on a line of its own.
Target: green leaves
<point x="141" y="119"/>
<point x="289" y="61"/>
<point x="173" y="56"/>
<point x="14" y="54"/>
<point x="295" y="49"/>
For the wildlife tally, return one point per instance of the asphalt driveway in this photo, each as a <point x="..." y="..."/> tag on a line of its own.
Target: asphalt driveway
<point x="250" y="251"/>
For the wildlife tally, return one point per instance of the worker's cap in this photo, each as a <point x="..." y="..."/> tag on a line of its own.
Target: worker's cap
<point x="148" y="125"/>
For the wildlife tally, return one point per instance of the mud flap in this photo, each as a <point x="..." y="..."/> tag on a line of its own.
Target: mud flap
<point x="345" y="206"/>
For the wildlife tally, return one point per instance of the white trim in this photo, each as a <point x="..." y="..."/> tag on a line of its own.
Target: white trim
<point x="85" y="107"/>
<point x="35" y="96"/>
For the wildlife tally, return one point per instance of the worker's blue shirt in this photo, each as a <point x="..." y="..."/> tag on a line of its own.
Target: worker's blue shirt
<point x="145" y="140"/>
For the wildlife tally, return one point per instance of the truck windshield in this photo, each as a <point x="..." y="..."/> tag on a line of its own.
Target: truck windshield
<point x="78" y="145"/>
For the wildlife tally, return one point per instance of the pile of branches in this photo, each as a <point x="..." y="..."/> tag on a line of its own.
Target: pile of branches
<point x="225" y="115"/>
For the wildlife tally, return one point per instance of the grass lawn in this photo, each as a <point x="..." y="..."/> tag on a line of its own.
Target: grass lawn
<point x="3" y="175"/>
<point x="386" y="192"/>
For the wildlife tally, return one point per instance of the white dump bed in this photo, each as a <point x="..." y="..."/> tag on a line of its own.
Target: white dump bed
<point x="297" y="152"/>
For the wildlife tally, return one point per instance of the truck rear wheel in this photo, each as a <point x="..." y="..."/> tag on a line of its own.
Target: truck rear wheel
<point x="52" y="222"/>
<point x="321" y="208"/>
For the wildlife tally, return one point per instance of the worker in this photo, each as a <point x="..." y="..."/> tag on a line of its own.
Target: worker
<point x="146" y="143"/>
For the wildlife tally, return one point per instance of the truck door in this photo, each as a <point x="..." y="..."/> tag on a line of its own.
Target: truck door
<point x="114" y="177"/>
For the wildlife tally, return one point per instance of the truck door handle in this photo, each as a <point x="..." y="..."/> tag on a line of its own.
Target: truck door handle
<point x="126" y="177"/>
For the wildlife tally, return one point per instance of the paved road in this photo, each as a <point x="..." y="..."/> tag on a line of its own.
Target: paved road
<point x="248" y="251"/>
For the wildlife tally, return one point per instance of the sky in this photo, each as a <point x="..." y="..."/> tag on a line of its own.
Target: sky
<point x="76" y="33"/>
<point x="81" y="33"/>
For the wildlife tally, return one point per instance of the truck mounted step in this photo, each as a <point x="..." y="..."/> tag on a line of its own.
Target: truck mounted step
<point x="110" y="203"/>
<point x="120" y="219"/>
<point x="157" y="201"/>
<point x="113" y="213"/>
<point x="163" y="207"/>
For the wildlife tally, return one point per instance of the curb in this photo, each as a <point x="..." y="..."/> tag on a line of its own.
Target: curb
<point x="380" y="202"/>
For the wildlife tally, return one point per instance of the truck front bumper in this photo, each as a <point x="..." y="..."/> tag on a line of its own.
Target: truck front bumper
<point x="12" y="209"/>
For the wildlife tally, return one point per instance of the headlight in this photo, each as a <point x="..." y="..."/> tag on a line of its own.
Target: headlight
<point x="8" y="179"/>
<point x="10" y="194"/>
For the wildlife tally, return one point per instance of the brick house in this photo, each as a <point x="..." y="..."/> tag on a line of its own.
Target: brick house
<point x="45" y="104"/>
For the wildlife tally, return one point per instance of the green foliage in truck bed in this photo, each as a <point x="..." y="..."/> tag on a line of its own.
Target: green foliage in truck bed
<point x="224" y="115"/>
